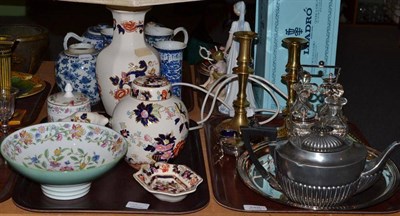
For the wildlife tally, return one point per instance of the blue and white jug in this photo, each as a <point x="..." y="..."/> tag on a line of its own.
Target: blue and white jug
<point x="92" y="35"/>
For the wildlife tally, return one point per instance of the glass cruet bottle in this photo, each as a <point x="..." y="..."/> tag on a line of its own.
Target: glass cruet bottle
<point x="333" y="117"/>
<point x="329" y="87"/>
<point x="302" y="112"/>
<point x="302" y="108"/>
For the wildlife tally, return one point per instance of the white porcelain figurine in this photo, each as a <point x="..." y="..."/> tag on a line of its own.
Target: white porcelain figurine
<point x="216" y="70"/>
<point x="232" y="52"/>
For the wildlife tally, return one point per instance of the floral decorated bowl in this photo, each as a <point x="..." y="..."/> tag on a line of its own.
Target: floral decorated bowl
<point x="168" y="182"/>
<point x="64" y="157"/>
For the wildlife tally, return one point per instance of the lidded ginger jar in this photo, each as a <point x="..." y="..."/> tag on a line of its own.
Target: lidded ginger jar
<point x="154" y="122"/>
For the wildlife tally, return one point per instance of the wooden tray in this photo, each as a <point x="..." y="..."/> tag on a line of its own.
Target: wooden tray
<point x="232" y="193"/>
<point x="115" y="189"/>
<point x="32" y="106"/>
<point x="7" y="181"/>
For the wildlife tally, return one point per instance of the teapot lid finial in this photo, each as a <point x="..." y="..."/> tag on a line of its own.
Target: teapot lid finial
<point x="321" y="141"/>
<point x="68" y="91"/>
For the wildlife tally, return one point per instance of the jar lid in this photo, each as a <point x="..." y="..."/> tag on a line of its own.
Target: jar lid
<point x="81" y="49"/>
<point x="151" y="88"/>
<point x="68" y="98"/>
<point x="96" y="30"/>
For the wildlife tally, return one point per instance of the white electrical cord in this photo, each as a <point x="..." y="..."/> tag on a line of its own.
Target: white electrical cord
<point x="269" y="90"/>
<point x="267" y="86"/>
<point x="208" y="94"/>
<point x="228" y="78"/>
<point x="276" y="89"/>
<point x="222" y="81"/>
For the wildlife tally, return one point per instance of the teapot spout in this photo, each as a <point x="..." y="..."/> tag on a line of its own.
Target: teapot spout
<point x="374" y="167"/>
<point x="377" y="163"/>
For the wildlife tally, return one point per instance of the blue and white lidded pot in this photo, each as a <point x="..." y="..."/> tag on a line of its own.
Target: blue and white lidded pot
<point x="77" y="66"/>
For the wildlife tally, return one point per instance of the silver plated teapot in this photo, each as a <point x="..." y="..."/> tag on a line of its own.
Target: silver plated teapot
<point x="320" y="170"/>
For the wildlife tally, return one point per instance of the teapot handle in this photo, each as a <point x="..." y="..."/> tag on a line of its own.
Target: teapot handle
<point x="185" y="34"/>
<point x="269" y="132"/>
<point x="71" y="35"/>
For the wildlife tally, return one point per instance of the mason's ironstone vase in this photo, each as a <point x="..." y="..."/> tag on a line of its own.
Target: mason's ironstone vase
<point x="126" y="58"/>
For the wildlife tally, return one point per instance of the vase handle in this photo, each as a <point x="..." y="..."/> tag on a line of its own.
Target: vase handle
<point x="185" y="34"/>
<point x="71" y="35"/>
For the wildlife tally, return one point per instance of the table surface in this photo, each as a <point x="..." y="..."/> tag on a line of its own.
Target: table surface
<point x="46" y="72"/>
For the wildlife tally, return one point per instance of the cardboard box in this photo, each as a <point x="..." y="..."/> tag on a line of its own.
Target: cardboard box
<point x="315" y="20"/>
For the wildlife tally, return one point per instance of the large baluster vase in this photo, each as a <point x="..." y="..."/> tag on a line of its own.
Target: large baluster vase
<point x="126" y="58"/>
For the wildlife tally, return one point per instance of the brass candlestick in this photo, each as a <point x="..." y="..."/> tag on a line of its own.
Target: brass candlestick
<point x="293" y="68"/>
<point x="243" y="70"/>
<point x="6" y="49"/>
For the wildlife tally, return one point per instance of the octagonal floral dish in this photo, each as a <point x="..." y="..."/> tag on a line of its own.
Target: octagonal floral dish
<point x="168" y="182"/>
<point x="64" y="157"/>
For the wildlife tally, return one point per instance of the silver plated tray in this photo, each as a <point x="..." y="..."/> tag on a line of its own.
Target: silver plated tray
<point x="383" y="189"/>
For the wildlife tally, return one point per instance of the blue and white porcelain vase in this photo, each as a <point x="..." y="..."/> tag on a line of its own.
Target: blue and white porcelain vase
<point x="77" y="66"/>
<point x="171" y="58"/>
<point x="154" y="122"/>
<point x="93" y="35"/>
<point x="127" y="57"/>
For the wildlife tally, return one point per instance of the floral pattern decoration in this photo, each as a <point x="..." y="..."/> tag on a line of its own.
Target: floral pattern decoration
<point x="145" y="115"/>
<point x="124" y="81"/>
<point x="78" y="160"/>
<point x="160" y="147"/>
<point x="146" y="95"/>
<point x="168" y="178"/>
<point x="129" y="26"/>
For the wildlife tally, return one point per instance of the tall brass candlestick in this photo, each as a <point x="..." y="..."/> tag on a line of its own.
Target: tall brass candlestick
<point x="5" y="66"/>
<point x="293" y="67"/>
<point x="243" y="70"/>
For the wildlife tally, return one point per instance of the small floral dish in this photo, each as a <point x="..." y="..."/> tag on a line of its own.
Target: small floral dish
<point x="168" y="182"/>
<point x="64" y="157"/>
<point x="87" y="117"/>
